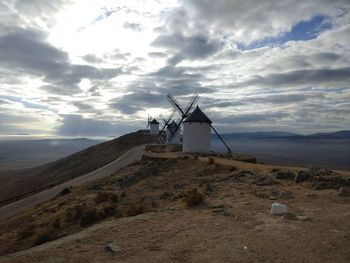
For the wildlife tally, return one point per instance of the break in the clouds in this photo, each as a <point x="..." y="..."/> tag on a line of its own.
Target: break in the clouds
<point x="98" y="68"/>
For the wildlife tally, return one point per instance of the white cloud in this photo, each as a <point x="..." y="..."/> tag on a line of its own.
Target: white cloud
<point x="107" y="63"/>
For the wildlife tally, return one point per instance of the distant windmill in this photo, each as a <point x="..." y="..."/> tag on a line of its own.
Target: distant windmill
<point x="184" y="112"/>
<point x="166" y="122"/>
<point x="149" y="119"/>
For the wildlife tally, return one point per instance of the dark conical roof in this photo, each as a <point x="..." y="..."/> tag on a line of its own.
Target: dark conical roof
<point x="198" y="116"/>
<point x="172" y="125"/>
<point x="154" y="121"/>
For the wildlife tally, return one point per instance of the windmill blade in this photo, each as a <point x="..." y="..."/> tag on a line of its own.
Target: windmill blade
<point x="228" y="148"/>
<point x="175" y="104"/>
<point x="166" y="122"/>
<point x="185" y="115"/>
<point x="149" y="118"/>
<point x="191" y="103"/>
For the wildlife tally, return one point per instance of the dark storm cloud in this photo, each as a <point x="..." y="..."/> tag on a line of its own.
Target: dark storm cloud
<point x="26" y="51"/>
<point x="187" y="47"/>
<point x="131" y="103"/>
<point x="75" y="125"/>
<point x="300" y="77"/>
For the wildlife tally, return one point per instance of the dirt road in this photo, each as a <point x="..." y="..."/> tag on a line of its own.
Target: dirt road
<point x="129" y="157"/>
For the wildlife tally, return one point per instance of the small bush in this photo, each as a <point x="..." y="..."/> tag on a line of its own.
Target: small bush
<point x="134" y="209"/>
<point x="275" y="170"/>
<point x="196" y="157"/>
<point x="56" y="223"/>
<point x="192" y="197"/>
<point x="88" y="217"/>
<point x="233" y="168"/>
<point x="211" y="160"/>
<point x="113" y="198"/>
<point x="108" y="211"/>
<point x="101" y="197"/>
<point x="65" y="191"/>
<point x="45" y="236"/>
<point x="26" y="232"/>
<point x="208" y="188"/>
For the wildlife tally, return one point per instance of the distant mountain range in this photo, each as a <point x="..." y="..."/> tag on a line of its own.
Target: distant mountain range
<point x="285" y="135"/>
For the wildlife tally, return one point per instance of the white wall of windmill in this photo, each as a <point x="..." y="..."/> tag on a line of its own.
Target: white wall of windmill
<point x="154" y="128"/>
<point x="172" y="136"/>
<point x="196" y="137"/>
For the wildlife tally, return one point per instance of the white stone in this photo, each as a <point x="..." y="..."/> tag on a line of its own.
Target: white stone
<point x="112" y="248"/>
<point x="278" y="209"/>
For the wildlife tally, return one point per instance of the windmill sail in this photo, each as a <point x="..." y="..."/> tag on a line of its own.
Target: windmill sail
<point x="222" y="140"/>
<point x="184" y="113"/>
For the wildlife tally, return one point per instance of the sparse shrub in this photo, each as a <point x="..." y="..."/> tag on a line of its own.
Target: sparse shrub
<point x="233" y="168"/>
<point x="26" y="232"/>
<point x="113" y="198"/>
<point x="74" y="213"/>
<point x="65" y="191"/>
<point x="56" y="223"/>
<point x="208" y="188"/>
<point x="88" y="217"/>
<point x="69" y="215"/>
<point x="274" y="170"/>
<point x="43" y="237"/>
<point x="211" y="160"/>
<point x="192" y="197"/>
<point x="108" y="211"/>
<point x="123" y="194"/>
<point x="134" y="209"/>
<point x="185" y="157"/>
<point x="101" y="197"/>
<point x="196" y="157"/>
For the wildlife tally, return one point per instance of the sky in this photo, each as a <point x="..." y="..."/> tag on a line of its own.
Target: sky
<point x="99" y="68"/>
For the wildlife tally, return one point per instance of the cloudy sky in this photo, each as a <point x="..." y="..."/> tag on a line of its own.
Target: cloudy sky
<point x="98" y="68"/>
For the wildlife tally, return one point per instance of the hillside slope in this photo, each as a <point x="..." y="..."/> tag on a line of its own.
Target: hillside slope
<point x="190" y="209"/>
<point x="72" y="166"/>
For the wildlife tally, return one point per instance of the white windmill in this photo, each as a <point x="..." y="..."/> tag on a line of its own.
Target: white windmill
<point x="153" y="125"/>
<point x="196" y="127"/>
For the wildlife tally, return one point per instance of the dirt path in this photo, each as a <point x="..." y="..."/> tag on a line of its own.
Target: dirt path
<point x="129" y="157"/>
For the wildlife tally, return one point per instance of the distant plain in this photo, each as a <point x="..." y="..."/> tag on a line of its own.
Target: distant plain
<point x="325" y="153"/>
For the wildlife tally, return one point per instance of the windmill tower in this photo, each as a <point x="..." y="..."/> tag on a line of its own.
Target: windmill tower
<point x="197" y="133"/>
<point x="154" y="127"/>
<point x="173" y="134"/>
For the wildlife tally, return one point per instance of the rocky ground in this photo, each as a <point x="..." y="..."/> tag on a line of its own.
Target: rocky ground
<point x="172" y="207"/>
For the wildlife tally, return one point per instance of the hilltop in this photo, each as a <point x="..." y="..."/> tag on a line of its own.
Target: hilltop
<point x="180" y="207"/>
<point x="71" y="166"/>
